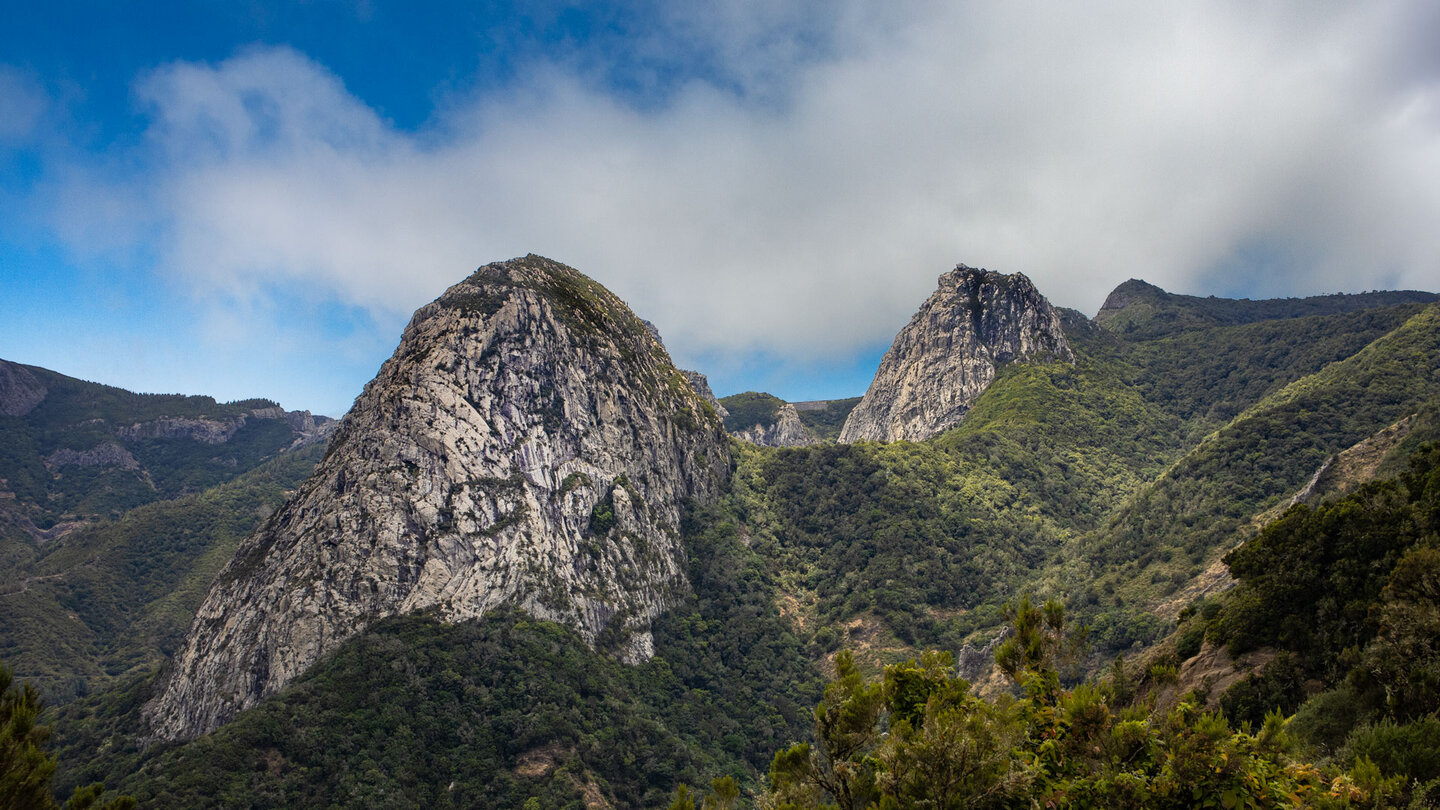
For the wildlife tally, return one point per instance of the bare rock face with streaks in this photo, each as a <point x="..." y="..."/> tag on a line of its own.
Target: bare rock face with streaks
<point x="976" y="322"/>
<point x="529" y="444"/>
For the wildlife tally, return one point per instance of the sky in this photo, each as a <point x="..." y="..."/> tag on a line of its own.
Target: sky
<point x="249" y="199"/>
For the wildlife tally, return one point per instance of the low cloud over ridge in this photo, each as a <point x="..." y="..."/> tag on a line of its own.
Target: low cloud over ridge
<point x="804" y="207"/>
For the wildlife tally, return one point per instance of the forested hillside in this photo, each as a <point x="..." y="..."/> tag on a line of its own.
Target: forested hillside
<point x="113" y="597"/>
<point x="1135" y="485"/>
<point x="72" y="450"/>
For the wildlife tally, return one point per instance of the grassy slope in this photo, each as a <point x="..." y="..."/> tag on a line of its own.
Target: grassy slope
<point x="1264" y="454"/>
<point x="115" y="596"/>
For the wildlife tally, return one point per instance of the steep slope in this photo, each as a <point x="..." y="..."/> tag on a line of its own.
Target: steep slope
<point x="976" y="322"/>
<point x="1201" y="505"/>
<point x="529" y="444"/>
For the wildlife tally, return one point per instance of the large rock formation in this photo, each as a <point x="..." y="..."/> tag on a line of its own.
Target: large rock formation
<point x="529" y="443"/>
<point x="786" y="431"/>
<point x="948" y="354"/>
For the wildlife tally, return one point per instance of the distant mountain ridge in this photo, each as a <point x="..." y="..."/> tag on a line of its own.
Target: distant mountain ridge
<point x="72" y="450"/>
<point x="1143" y="311"/>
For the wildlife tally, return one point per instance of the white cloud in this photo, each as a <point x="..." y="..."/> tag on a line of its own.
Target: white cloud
<point x="805" y="208"/>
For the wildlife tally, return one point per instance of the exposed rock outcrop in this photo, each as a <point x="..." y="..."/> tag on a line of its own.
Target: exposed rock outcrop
<point x="308" y="427"/>
<point x="701" y="384"/>
<point x="105" y="454"/>
<point x="786" y="431"/>
<point x="205" y="431"/>
<point x="20" y="392"/>
<point x="529" y="443"/>
<point x="948" y="354"/>
<point x="975" y="663"/>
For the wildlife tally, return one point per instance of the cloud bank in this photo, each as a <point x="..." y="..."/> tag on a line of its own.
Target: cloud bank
<point x="801" y="206"/>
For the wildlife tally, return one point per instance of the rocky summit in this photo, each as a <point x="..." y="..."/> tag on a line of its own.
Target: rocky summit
<point x="974" y="323"/>
<point x="529" y="444"/>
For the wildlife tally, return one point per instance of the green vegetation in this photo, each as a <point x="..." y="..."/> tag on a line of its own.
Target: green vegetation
<point x="928" y="538"/>
<point x="918" y="737"/>
<point x="749" y="409"/>
<point x="1150" y="312"/>
<point x="109" y="598"/>
<point x="1206" y="501"/>
<point x="1062" y="468"/>
<point x="1211" y="375"/>
<point x="26" y="769"/>
<point x="416" y="713"/>
<point x="80" y="416"/>
<point x="828" y="420"/>
<point x="756" y="408"/>
<point x="1346" y="592"/>
<point x="1113" y="482"/>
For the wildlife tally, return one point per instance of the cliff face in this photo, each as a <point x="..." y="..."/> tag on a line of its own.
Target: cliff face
<point x="948" y="354"/>
<point x="786" y="431"/>
<point x="529" y="443"/>
<point x="308" y="427"/>
<point x="701" y="384"/>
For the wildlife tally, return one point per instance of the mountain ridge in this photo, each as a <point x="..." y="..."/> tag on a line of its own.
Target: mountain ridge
<point x="887" y="548"/>
<point x="1142" y="310"/>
